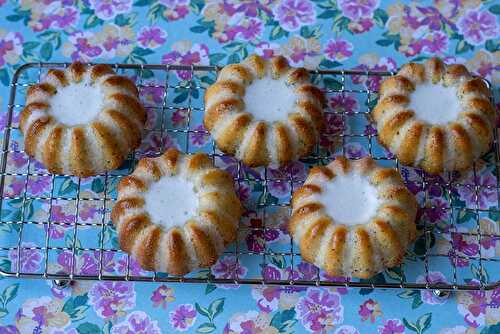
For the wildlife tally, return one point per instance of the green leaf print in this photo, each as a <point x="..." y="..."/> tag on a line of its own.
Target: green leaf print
<point x="211" y="312"/>
<point x="422" y="324"/>
<point x="88" y="328"/>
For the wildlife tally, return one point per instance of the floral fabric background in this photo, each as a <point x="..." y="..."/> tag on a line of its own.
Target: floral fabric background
<point x="367" y="35"/>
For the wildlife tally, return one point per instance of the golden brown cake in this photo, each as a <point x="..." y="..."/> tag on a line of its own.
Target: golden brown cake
<point x="83" y="120"/>
<point x="264" y="112"/>
<point x="435" y="116"/>
<point x="353" y="218"/>
<point x="176" y="212"/>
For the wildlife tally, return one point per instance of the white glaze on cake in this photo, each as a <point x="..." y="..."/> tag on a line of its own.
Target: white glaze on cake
<point x="349" y="199"/>
<point x="435" y="103"/>
<point x="269" y="100"/>
<point x="77" y="103"/>
<point x="171" y="201"/>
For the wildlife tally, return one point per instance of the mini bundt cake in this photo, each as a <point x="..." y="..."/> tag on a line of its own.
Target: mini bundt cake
<point x="176" y="212"/>
<point x="83" y="120"/>
<point x="264" y="112"/>
<point x="435" y="116"/>
<point x="353" y="218"/>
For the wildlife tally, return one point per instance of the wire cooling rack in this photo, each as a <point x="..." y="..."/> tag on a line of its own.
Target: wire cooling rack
<point x="51" y="243"/>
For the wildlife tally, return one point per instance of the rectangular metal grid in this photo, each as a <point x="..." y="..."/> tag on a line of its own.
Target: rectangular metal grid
<point x="334" y="82"/>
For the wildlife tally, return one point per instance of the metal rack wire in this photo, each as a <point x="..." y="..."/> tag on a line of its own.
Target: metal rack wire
<point x="15" y="233"/>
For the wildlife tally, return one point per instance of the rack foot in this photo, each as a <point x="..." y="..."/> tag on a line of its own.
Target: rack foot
<point x="441" y="293"/>
<point x="61" y="283"/>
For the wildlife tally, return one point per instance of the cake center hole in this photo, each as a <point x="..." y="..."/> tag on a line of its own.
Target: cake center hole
<point x="77" y="103"/>
<point x="350" y="199"/>
<point x="435" y="103"/>
<point x="269" y="100"/>
<point x="171" y="201"/>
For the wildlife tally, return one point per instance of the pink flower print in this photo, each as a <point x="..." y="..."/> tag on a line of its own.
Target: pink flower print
<point x="343" y="103"/>
<point x="229" y="267"/>
<point x="370" y="309"/>
<point x="80" y="48"/>
<point x="244" y="29"/>
<point x="338" y="49"/>
<point x="478" y="26"/>
<point x="334" y="127"/>
<point x="355" y="9"/>
<point x="153" y="95"/>
<point x="54" y="15"/>
<point x="42" y="315"/>
<point x="60" y="216"/>
<point x="478" y="307"/>
<point x="243" y="191"/>
<point x="151" y="37"/>
<point x="362" y="25"/>
<point x="267" y="50"/>
<point x="486" y="194"/>
<point x="57" y="231"/>
<point x="186" y="53"/>
<point x="392" y="326"/>
<point x="11" y="47"/>
<point x="256" y="240"/>
<point x="293" y="14"/>
<point x="112" y="299"/>
<point x="183" y="317"/>
<point x="175" y="9"/>
<point x="200" y="136"/>
<point x="88" y="211"/>
<point x="136" y="322"/>
<point x="465" y="246"/>
<point x="320" y="310"/>
<point x="109" y="9"/>
<point x="435" y="43"/>
<point x="31" y="258"/>
<point x="162" y="295"/>
<point x="179" y="117"/>
<point x="428" y="296"/>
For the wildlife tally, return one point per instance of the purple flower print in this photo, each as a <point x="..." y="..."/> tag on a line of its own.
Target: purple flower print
<point x="200" y="137"/>
<point x="279" y="178"/>
<point x="38" y="185"/>
<point x="355" y="10"/>
<point x="162" y="295"/>
<point x="266" y="49"/>
<point x="42" y="315"/>
<point x="9" y="329"/>
<point x="85" y="264"/>
<point x="486" y="195"/>
<point x="186" y="53"/>
<point x="478" y="26"/>
<point x="57" y="231"/>
<point x="338" y="49"/>
<point x="136" y="322"/>
<point x="133" y="266"/>
<point x="392" y="326"/>
<point x="112" y="299"/>
<point x="435" y="43"/>
<point x="355" y="150"/>
<point x="346" y="329"/>
<point x="183" y="317"/>
<point x="463" y="245"/>
<point x="151" y="37"/>
<point x="428" y="297"/>
<point x="334" y="127"/>
<point x="370" y="309"/>
<point x="249" y="323"/>
<point x="293" y="14"/>
<point x="109" y="9"/>
<point x="438" y="212"/>
<point x="179" y="117"/>
<point x="320" y="310"/>
<point x="11" y="46"/>
<point x="229" y="267"/>
<point x="31" y="258"/>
